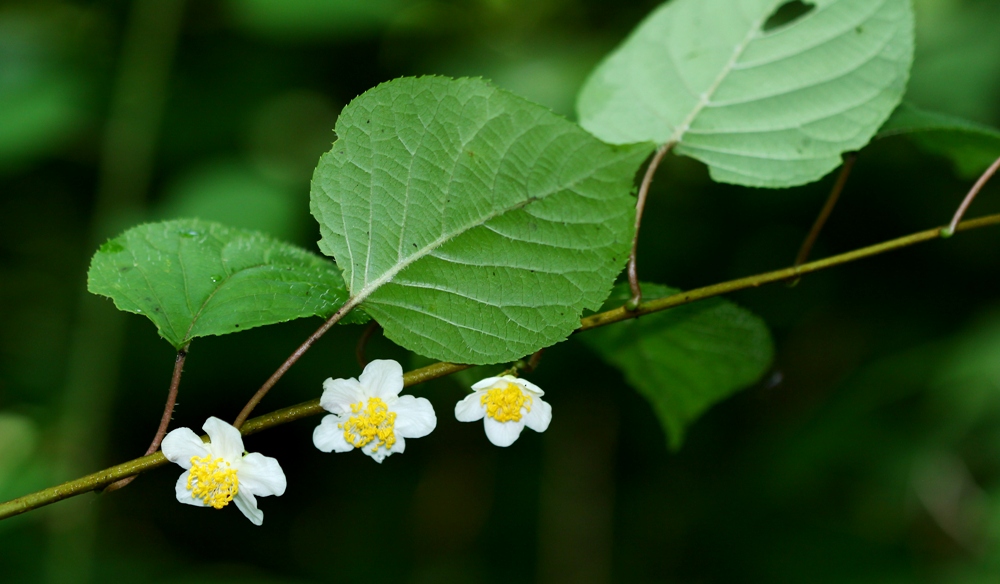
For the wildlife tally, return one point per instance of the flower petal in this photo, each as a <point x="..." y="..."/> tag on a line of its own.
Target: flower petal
<point x="339" y="394"/>
<point x="382" y="378"/>
<point x="382" y="452"/>
<point x="490" y="381"/>
<point x="183" y="494"/>
<point x="470" y="409"/>
<point x="503" y="433"/>
<point x="329" y="438"/>
<point x="181" y="445"/>
<point x="247" y="503"/>
<point x="414" y="417"/>
<point x="261" y="475"/>
<point x="226" y="440"/>
<point x="528" y="386"/>
<point x="539" y="417"/>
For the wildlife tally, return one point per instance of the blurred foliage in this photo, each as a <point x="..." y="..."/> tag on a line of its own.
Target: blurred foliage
<point x="871" y="455"/>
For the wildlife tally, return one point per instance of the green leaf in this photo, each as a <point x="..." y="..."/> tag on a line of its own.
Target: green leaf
<point x="764" y="108"/>
<point x="971" y="147"/>
<point x="194" y="278"/>
<point x="686" y="359"/>
<point x="474" y="226"/>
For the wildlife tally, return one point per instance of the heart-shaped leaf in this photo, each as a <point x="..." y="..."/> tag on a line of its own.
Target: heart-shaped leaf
<point x="765" y="108"/>
<point x="473" y="225"/>
<point x="194" y="278"/>
<point x="686" y="359"/>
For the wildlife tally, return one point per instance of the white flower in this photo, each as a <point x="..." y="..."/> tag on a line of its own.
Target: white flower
<point x="506" y="404"/>
<point x="219" y="471"/>
<point x="368" y="413"/>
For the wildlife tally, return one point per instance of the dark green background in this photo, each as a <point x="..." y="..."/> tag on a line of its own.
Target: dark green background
<point x="872" y="454"/>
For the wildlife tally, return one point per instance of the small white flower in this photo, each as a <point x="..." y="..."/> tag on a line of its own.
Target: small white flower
<point x="219" y="471"/>
<point x="368" y="413"/>
<point x="506" y="405"/>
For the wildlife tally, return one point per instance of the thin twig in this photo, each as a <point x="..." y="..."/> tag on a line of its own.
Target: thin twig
<point x="640" y="206"/>
<point x="168" y="414"/>
<point x="533" y="361"/>
<point x="838" y="187"/>
<point x="359" y="351"/>
<point x="291" y="360"/>
<point x="312" y="408"/>
<point x="950" y="229"/>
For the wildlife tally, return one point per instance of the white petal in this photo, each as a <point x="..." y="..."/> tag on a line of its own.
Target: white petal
<point x="329" y="438"/>
<point x="181" y="445"/>
<point x="399" y="447"/>
<point x="414" y="417"/>
<point x="382" y="453"/>
<point x="339" y="394"/>
<point x="246" y="503"/>
<point x="226" y="440"/>
<point x="261" y="475"/>
<point x="527" y="385"/>
<point x="539" y="417"/>
<point x="503" y="433"/>
<point x="490" y="381"/>
<point x="470" y="409"/>
<point x="382" y="378"/>
<point x="184" y="494"/>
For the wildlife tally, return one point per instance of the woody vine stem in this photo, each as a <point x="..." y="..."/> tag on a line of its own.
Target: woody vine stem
<point x="110" y="475"/>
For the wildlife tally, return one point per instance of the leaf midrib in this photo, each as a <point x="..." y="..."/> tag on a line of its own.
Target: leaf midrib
<point x="706" y="96"/>
<point x="370" y="287"/>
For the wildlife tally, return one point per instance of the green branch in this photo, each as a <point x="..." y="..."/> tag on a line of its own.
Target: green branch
<point x="307" y="409"/>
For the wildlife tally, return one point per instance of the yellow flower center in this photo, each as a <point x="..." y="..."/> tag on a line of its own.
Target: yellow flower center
<point x="504" y="404"/>
<point x="212" y="481"/>
<point x="371" y="423"/>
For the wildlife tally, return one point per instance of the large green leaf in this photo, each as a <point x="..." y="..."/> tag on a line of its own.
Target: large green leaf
<point x="970" y="146"/>
<point x="474" y="225"/>
<point x="765" y="108"/>
<point x="686" y="359"/>
<point x="194" y="278"/>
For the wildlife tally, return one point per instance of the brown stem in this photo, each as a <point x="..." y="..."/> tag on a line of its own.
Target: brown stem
<point x="640" y="206"/>
<point x="359" y="352"/>
<point x="950" y="229"/>
<point x="533" y="361"/>
<point x="438" y="370"/>
<point x="291" y="360"/>
<point x="168" y="414"/>
<point x="838" y="187"/>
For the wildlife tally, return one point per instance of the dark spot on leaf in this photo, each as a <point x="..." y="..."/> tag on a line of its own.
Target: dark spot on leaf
<point x="859" y="29"/>
<point x="157" y="309"/>
<point x="112" y="246"/>
<point x="414" y="245"/>
<point x="237" y="326"/>
<point x="787" y="14"/>
<point x="125" y="269"/>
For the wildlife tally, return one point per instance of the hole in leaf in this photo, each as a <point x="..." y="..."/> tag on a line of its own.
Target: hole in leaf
<point x="787" y="13"/>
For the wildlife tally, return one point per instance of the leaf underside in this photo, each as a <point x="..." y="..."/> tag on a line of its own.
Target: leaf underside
<point x="686" y="359"/>
<point x="475" y="226"/>
<point x="773" y="108"/>
<point x="195" y="278"/>
<point x="971" y="147"/>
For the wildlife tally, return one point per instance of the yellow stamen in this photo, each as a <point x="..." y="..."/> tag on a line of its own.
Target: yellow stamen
<point x="373" y="423"/>
<point x="504" y="405"/>
<point x="212" y="481"/>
